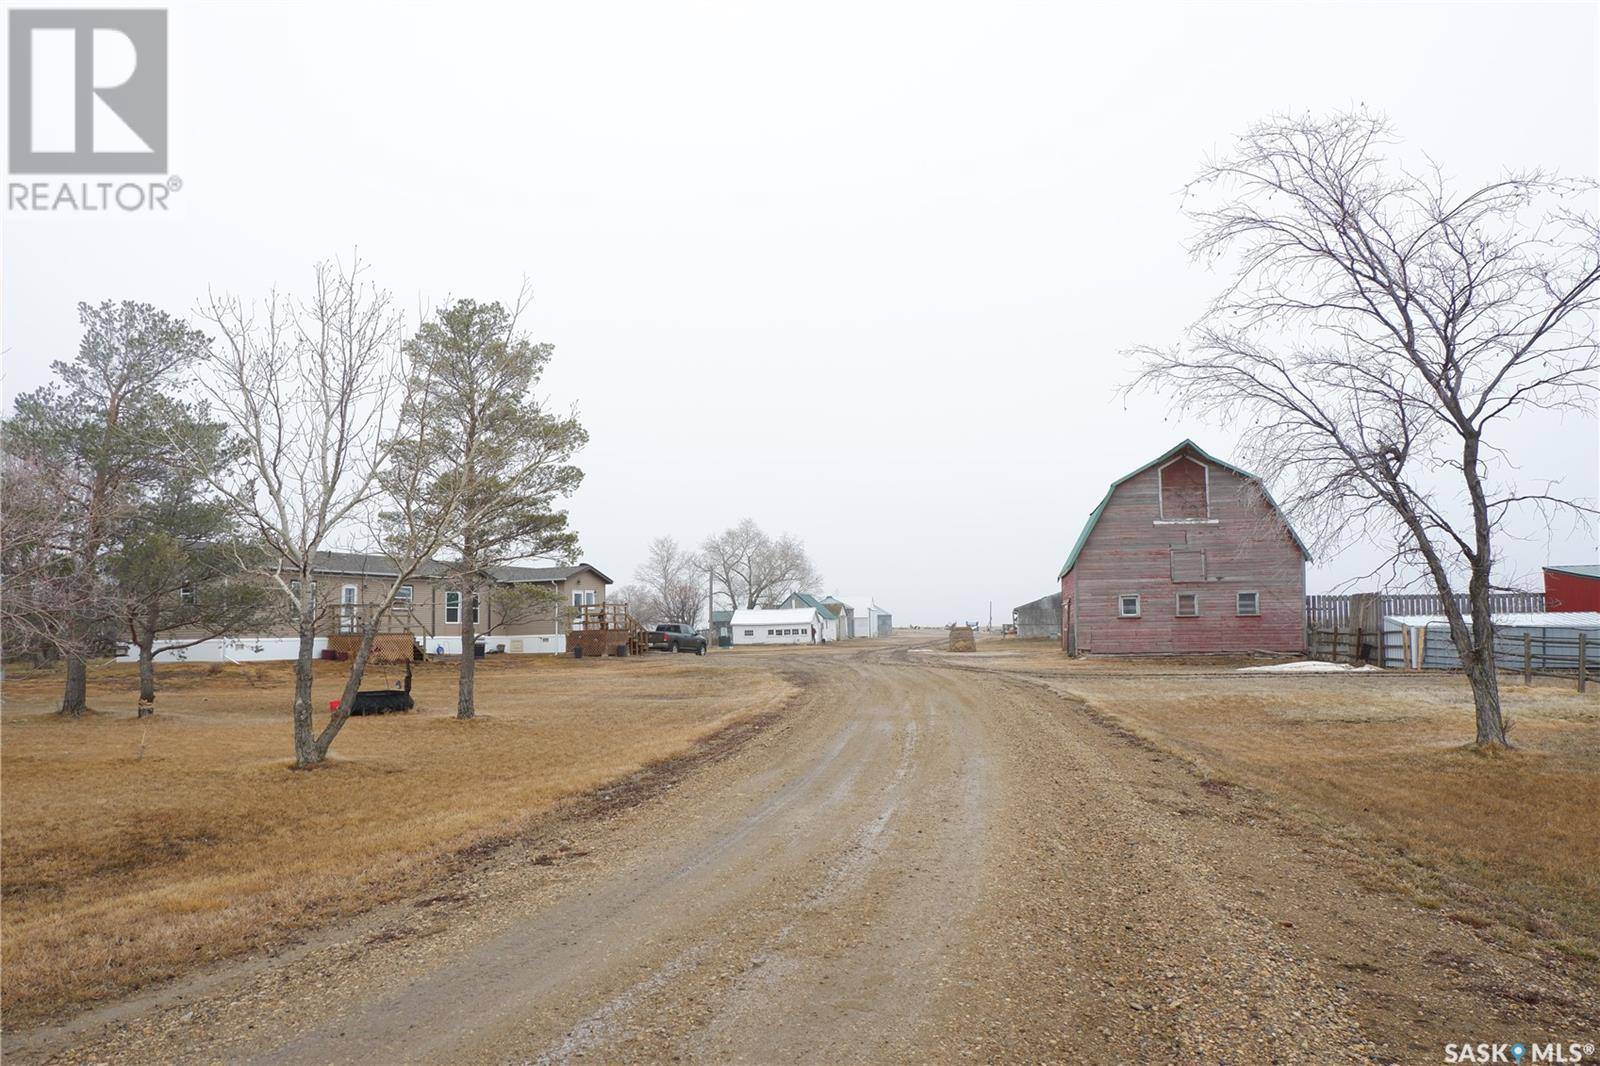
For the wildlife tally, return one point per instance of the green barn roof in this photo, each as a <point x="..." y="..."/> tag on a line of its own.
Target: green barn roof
<point x="1094" y="516"/>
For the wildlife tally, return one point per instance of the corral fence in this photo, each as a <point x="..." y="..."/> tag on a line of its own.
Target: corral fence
<point x="1531" y="651"/>
<point x="1330" y="611"/>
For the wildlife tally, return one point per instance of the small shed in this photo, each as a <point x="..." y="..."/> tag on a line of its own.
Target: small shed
<point x="1039" y="618"/>
<point x="844" y="613"/>
<point x="869" y="619"/>
<point x="795" y="625"/>
<point x="1550" y="639"/>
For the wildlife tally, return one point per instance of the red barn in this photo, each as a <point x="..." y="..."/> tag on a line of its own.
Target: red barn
<point x="1572" y="588"/>
<point x="1187" y="554"/>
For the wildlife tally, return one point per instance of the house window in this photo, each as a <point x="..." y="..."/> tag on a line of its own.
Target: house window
<point x="577" y="599"/>
<point x="1128" y="606"/>
<point x="1188" y="605"/>
<point x="1249" y="603"/>
<point x="186" y="595"/>
<point x="404" y="594"/>
<point x="452" y="608"/>
<point x="588" y="598"/>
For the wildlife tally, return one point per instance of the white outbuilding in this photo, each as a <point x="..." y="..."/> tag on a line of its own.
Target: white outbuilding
<point x="789" y="625"/>
<point x="869" y="619"/>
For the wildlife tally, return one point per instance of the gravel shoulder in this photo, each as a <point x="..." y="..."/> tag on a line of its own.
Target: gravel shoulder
<point x="912" y="861"/>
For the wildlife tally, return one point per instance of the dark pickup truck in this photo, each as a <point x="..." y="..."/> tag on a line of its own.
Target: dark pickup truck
<point x="675" y="636"/>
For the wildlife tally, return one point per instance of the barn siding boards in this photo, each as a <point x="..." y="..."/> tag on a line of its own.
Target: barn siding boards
<point x="1192" y="524"/>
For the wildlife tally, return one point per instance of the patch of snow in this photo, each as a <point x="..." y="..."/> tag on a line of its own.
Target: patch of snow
<point x="1308" y="667"/>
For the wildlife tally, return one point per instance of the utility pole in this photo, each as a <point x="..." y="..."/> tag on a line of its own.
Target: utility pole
<point x="991" y="616"/>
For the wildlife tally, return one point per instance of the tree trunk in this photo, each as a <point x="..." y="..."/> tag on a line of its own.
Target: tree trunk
<point x="147" y="678"/>
<point x="352" y="685"/>
<point x="469" y="661"/>
<point x="305" y="743"/>
<point x="1482" y="673"/>
<point x="1481" y="669"/>
<point x="1486" y="703"/>
<point x="75" y="695"/>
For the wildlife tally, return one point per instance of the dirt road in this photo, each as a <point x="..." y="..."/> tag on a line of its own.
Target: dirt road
<point x="913" y="862"/>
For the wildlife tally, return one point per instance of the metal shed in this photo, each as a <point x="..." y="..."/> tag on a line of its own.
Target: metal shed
<point x="1550" y="638"/>
<point x="1039" y="618"/>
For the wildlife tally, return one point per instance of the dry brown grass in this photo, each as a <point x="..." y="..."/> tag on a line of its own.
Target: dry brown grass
<point x="135" y="850"/>
<point x="1513" y="836"/>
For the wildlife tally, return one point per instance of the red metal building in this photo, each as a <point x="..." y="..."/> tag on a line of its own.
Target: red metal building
<point x="1187" y="554"/>
<point x="1572" y="588"/>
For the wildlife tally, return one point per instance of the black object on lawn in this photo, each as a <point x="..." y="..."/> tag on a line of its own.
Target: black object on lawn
<point x="384" y="700"/>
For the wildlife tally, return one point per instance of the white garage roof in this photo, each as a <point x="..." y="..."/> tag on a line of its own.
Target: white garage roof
<point x="792" y="616"/>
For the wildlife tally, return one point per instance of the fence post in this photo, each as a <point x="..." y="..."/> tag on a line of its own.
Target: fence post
<point x="1358" y="652"/>
<point x="1583" y="661"/>
<point x="1527" y="658"/>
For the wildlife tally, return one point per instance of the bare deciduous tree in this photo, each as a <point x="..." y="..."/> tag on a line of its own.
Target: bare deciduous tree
<point x="642" y="603"/>
<point x="671" y="577"/>
<point x="754" y="569"/>
<point x="40" y="593"/>
<point x="1379" y="330"/>
<point x="307" y="386"/>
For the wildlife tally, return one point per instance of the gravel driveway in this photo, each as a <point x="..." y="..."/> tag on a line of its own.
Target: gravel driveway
<point x="913" y="862"/>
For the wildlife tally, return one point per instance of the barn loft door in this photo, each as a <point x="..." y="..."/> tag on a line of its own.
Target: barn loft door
<point x="1183" y="490"/>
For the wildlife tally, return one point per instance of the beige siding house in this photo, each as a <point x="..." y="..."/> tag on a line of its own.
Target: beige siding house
<point x="527" y="609"/>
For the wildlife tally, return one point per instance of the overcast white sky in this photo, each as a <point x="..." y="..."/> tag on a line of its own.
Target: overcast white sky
<point x="860" y="272"/>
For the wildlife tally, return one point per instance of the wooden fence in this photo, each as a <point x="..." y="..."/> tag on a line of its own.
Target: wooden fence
<point x="1339" y="645"/>
<point x="1330" y="611"/>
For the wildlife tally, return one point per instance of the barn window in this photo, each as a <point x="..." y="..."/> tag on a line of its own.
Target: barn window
<point x="749" y="632"/>
<point x="1128" y="606"/>
<point x="1249" y="603"/>
<point x="1188" y="605"/>
<point x="1183" y="490"/>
